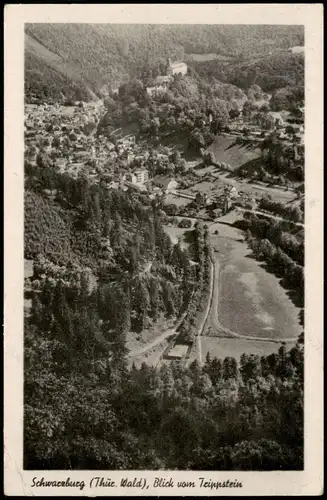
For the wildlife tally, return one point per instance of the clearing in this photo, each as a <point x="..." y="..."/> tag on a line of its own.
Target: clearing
<point x="226" y="150"/>
<point x="247" y="299"/>
<point x="208" y="57"/>
<point x="234" y="347"/>
<point x="177" y="233"/>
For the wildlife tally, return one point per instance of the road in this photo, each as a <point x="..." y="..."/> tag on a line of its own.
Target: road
<point x="269" y="215"/>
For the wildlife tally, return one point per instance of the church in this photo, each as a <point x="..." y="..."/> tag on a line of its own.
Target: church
<point x="176" y="68"/>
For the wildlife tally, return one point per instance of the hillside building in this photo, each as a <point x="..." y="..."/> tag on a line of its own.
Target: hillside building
<point x="177" y="352"/>
<point x="176" y="68"/>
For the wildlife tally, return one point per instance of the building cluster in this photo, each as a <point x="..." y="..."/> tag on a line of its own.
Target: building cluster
<point x="161" y="83"/>
<point x="288" y="127"/>
<point x="66" y="138"/>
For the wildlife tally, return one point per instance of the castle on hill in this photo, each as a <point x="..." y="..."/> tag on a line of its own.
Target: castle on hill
<point x="176" y="68"/>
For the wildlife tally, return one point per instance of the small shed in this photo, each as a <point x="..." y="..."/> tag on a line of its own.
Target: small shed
<point x="177" y="351"/>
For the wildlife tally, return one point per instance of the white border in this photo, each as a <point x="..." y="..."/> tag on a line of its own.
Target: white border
<point x="18" y="481"/>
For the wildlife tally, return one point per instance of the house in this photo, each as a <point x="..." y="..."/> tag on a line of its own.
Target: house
<point x="138" y="177"/>
<point x="141" y="175"/>
<point x="224" y="204"/>
<point x="233" y="193"/>
<point x="201" y="198"/>
<point x="166" y="183"/>
<point x="177" y="352"/>
<point x="130" y="157"/>
<point x="156" y="90"/>
<point x="176" y="68"/>
<point x="80" y="155"/>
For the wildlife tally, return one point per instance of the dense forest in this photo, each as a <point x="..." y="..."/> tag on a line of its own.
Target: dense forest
<point x="271" y="72"/>
<point x="84" y="408"/>
<point x="111" y="54"/>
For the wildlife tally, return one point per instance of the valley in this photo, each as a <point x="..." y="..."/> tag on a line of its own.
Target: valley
<point x="164" y="234"/>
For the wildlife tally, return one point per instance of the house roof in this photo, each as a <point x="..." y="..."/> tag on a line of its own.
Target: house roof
<point x="177" y="64"/>
<point x="178" y="351"/>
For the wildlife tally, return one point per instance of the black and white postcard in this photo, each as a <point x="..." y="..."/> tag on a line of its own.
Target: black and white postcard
<point x="163" y="250"/>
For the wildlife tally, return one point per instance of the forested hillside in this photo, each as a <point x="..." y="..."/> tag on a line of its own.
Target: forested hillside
<point x="270" y="72"/>
<point x="84" y="409"/>
<point x="110" y="54"/>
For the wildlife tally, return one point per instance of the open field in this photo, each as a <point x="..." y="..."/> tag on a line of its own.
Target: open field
<point x="226" y="150"/>
<point x="222" y="348"/>
<point x="208" y="57"/>
<point x="172" y="199"/>
<point x="205" y="170"/>
<point x="250" y="300"/>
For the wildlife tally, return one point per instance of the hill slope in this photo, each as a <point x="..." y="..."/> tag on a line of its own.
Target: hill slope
<point x="101" y="54"/>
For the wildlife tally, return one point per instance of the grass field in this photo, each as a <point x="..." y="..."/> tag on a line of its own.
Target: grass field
<point x="226" y="150"/>
<point x="222" y="348"/>
<point x="208" y="57"/>
<point x="251" y="300"/>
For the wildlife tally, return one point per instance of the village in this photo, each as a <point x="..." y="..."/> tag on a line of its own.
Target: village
<point x="66" y="138"/>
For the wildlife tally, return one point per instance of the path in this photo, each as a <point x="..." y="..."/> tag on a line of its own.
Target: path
<point x="269" y="215"/>
<point x="156" y="341"/>
<point x="167" y="333"/>
<point x="205" y="319"/>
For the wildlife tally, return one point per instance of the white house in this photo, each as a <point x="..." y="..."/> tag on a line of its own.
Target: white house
<point x="140" y="176"/>
<point x="233" y="193"/>
<point x="176" y="68"/>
